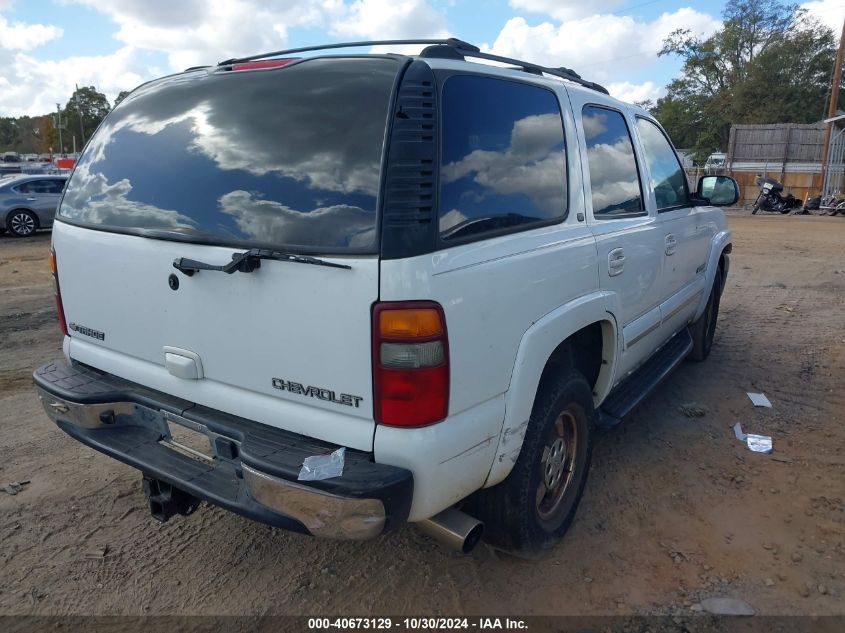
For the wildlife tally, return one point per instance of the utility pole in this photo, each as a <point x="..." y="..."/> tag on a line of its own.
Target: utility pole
<point x="834" y="103"/>
<point x="59" y="126"/>
<point x="79" y="112"/>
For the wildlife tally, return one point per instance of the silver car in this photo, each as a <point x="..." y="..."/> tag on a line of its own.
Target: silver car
<point x="28" y="203"/>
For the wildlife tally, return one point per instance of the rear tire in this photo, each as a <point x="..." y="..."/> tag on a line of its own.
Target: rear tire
<point x="22" y="223"/>
<point x="532" y="509"/>
<point x="703" y="330"/>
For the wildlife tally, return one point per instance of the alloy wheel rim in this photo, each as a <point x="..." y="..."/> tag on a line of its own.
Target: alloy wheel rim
<point x="557" y="465"/>
<point x="23" y="224"/>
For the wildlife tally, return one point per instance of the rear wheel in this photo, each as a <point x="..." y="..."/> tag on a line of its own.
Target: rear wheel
<point x="532" y="509"/>
<point x="703" y="330"/>
<point x="22" y="223"/>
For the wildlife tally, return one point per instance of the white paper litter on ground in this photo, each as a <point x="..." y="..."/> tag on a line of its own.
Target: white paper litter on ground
<point x="756" y="443"/>
<point x="759" y="399"/>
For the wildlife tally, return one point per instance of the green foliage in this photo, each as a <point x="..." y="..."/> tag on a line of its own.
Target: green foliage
<point x="770" y="63"/>
<point x="38" y="134"/>
<point x="86" y="104"/>
<point x="120" y="97"/>
<point x="25" y="134"/>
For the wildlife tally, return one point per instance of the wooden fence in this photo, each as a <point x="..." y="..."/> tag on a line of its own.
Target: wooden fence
<point x="788" y="152"/>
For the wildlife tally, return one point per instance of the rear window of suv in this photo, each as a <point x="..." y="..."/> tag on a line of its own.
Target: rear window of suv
<point x="288" y="157"/>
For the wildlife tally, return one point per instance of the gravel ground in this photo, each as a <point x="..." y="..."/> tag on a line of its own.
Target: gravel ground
<point x="676" y="510"/>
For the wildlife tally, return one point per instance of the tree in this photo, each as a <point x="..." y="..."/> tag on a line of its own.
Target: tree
<point x="48" y="135"/>
<point x="92" y="108"/>
<point x="120" y="97"/>
<point x="770" y="63"/>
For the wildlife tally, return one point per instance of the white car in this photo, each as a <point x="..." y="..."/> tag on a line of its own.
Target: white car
<point x="451" y="270"/>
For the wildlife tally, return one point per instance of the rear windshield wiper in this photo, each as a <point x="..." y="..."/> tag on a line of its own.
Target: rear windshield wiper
<point x="248" y="261"/>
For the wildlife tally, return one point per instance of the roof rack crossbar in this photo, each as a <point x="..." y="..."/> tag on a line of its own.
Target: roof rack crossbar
<point x="463" y="48"/>
<point x="563" y="73"/>
<point x="452" y="41"/>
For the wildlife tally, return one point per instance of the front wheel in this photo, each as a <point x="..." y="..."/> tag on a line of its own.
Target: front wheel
<point x="532" y="509"/>
<point x="703" y="330"/>
<point x="22" y="223"/>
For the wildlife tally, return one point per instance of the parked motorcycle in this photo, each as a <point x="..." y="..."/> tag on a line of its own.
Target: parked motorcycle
<point x="770" y="198"/>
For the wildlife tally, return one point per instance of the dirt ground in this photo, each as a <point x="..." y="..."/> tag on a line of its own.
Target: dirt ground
<point x="676" y="509"/>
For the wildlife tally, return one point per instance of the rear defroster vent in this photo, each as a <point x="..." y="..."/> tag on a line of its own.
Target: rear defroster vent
<point x="410" y="188"/>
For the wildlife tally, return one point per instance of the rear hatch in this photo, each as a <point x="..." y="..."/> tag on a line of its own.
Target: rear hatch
<point x="207" y="165"/>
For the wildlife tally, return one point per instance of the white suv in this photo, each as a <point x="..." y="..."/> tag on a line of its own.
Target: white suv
<point x="453" y="270"/>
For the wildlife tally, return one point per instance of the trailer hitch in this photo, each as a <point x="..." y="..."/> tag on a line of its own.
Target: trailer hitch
<point x="167" y="501"/>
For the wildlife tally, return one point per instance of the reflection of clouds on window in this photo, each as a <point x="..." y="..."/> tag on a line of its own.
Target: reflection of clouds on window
<point x="302" y="155"/>
<point x="450" y="219"/>
<point x="614" y="180"/>
<point x="612" y="175"/>
<point x="270" y="221"/>
<point x="595" y="124"/>
<point x="668" y="178"/>
<point x="532" y="164"/>
<point x="109" y="204"/>
<point x="307" y="138"/>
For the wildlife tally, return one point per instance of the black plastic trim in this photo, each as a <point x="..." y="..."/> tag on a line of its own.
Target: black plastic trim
<point x="409" y="205"/>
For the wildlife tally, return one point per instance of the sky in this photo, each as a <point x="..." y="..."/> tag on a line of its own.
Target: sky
<point x="48" y="46"/>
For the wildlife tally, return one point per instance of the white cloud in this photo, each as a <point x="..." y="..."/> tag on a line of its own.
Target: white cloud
<point x="566" y="9"/>
<point x="201" y="32"/>
<point x="23" y="37"/>
<point x="32" y="86"/>
<point x="829" y="12"/>
<point x="634" y="93"/>
<point x="388" y="19"/>
<point x="189" y="33"/>
<point x="600" y="47"/>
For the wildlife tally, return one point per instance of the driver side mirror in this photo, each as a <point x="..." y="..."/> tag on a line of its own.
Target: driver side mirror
<point x="720" y="191"/>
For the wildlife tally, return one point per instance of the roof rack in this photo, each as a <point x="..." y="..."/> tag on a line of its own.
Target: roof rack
<point x="325" y="47"/>
<point x="450" y="48"/>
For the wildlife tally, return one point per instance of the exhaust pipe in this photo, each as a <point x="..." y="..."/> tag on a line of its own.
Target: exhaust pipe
<point x="454" y="528"/>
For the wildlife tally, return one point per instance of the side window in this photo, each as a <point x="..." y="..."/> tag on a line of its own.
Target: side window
<point x="40" y="186"/>
<point x="503" y="162"/>
<point x="667" y="175"/>
<point x="614" y="179"/>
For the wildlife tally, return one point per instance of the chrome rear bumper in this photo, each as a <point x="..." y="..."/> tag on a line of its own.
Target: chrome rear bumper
<point x="250" y="468"/>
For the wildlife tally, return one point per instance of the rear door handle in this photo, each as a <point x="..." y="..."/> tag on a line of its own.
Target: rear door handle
<point x="615" y="262"/>
<point x="31" y="199"/>
<point x="670" y="244"/>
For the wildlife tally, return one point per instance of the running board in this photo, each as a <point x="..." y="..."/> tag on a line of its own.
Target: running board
<point x="628" y="394"/>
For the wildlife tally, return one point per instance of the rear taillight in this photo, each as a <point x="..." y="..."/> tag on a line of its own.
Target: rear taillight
<point x="265" y="63"/>
<point x="410" y="363"/>
<point x="60" y="310"/>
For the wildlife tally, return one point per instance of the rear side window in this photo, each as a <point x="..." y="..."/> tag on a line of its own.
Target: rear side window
<point x="614" y="179"/>
<point x="40" y="186"/>
<point x="667" y="176"/>
<point x="503" y="165"/>
<point x="287" y="158"/>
